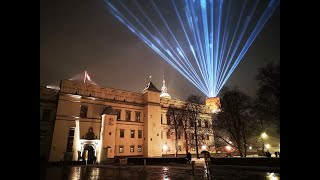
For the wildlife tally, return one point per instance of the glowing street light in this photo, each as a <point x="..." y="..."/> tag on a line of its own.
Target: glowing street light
<point x="264" y="135"/>
<point x="165" y="148"/>
<point x="228" y="148"/>
<point x="250" y="147"/>
<point x="267" y="146"/>
<point x="204" y="147"/>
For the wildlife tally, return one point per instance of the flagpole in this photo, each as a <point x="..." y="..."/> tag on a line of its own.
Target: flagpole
<point x="84" y="79"/>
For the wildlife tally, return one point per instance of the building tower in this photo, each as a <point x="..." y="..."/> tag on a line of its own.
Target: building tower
<point x="152" y="124"/>
<point x="164" y="93"/>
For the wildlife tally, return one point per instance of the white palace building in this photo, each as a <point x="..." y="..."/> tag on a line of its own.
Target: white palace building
<point x="95" y="123"/>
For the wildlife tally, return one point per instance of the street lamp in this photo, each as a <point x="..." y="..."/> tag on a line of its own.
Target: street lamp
<point x="263" y="136"/>
<point x="267" y="146"/>
<point x="204" y="147"/>
<point x="165" y="148"/>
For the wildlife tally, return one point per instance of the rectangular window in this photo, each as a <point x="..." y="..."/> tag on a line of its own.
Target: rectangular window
<point x="70" y="140"/>
<point x="138" y="114"/>
<point x="83" y="111"/>
<point x="139" y="148"/>
<point x="168" y="134"/>
<point x="139" y="133"/>
<point x="206" y="124"/>
<point x="199" y="123"/>
<point x="118" y="114"/>
<point x="132" y="133"/>
<point x="132" y="148"/>
<point x="121" y="133"/>
<point x="161" y="119"/>
<point x="46" y="115"/>
<point x="128" y="115"/>
<point x="43" y="134"/>
<point x="121" y="149"/>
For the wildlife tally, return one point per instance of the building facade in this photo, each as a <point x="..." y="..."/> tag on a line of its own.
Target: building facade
<point x="94" y="123"/>
<point x="48" y="108"/>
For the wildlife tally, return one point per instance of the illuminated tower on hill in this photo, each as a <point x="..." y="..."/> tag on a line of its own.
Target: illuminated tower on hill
<point x="214" y="104"/>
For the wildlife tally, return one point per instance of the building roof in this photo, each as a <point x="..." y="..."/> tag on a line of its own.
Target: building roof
<point x="164" y="89"/>
<point x="109" y="110"/>
<point x="151" y="87"/>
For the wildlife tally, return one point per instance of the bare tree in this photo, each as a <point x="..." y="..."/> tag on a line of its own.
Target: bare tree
<point x="234" y="119"/>
<point x="193" y="105"/>
<point x="268" y="94"/>
<point x="185" y="127"/>
<point x="174" y="115"/>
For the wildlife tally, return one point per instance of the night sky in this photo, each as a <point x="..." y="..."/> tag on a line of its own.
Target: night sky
<point x="82" y="35"/>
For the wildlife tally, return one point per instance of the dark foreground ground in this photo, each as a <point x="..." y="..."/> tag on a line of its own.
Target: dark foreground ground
<point x="91" y="172"/>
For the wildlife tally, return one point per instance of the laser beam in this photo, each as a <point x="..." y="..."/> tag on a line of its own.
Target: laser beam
<point x="204" y="40"/>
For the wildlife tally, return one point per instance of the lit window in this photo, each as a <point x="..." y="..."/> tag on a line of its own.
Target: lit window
<point x="43" y="134"/>
<point x="132" y="148"/>
<point x="139" y="148"/>
<point x="132" y="133"/>
<point x="121" y="149"/>
<point x="138" y="116"/>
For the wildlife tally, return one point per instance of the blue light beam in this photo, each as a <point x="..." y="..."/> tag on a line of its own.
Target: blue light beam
<point x="203" y="40"/>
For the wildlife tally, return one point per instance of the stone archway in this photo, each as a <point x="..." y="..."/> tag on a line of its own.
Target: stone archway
<point x="89" y="154"/>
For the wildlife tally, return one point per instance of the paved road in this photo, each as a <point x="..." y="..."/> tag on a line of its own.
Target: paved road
<point x="153" y="172"/>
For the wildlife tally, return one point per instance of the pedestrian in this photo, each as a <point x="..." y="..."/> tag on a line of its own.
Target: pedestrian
<point x="268" y="154"/>
<point x="276" y="153"/>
